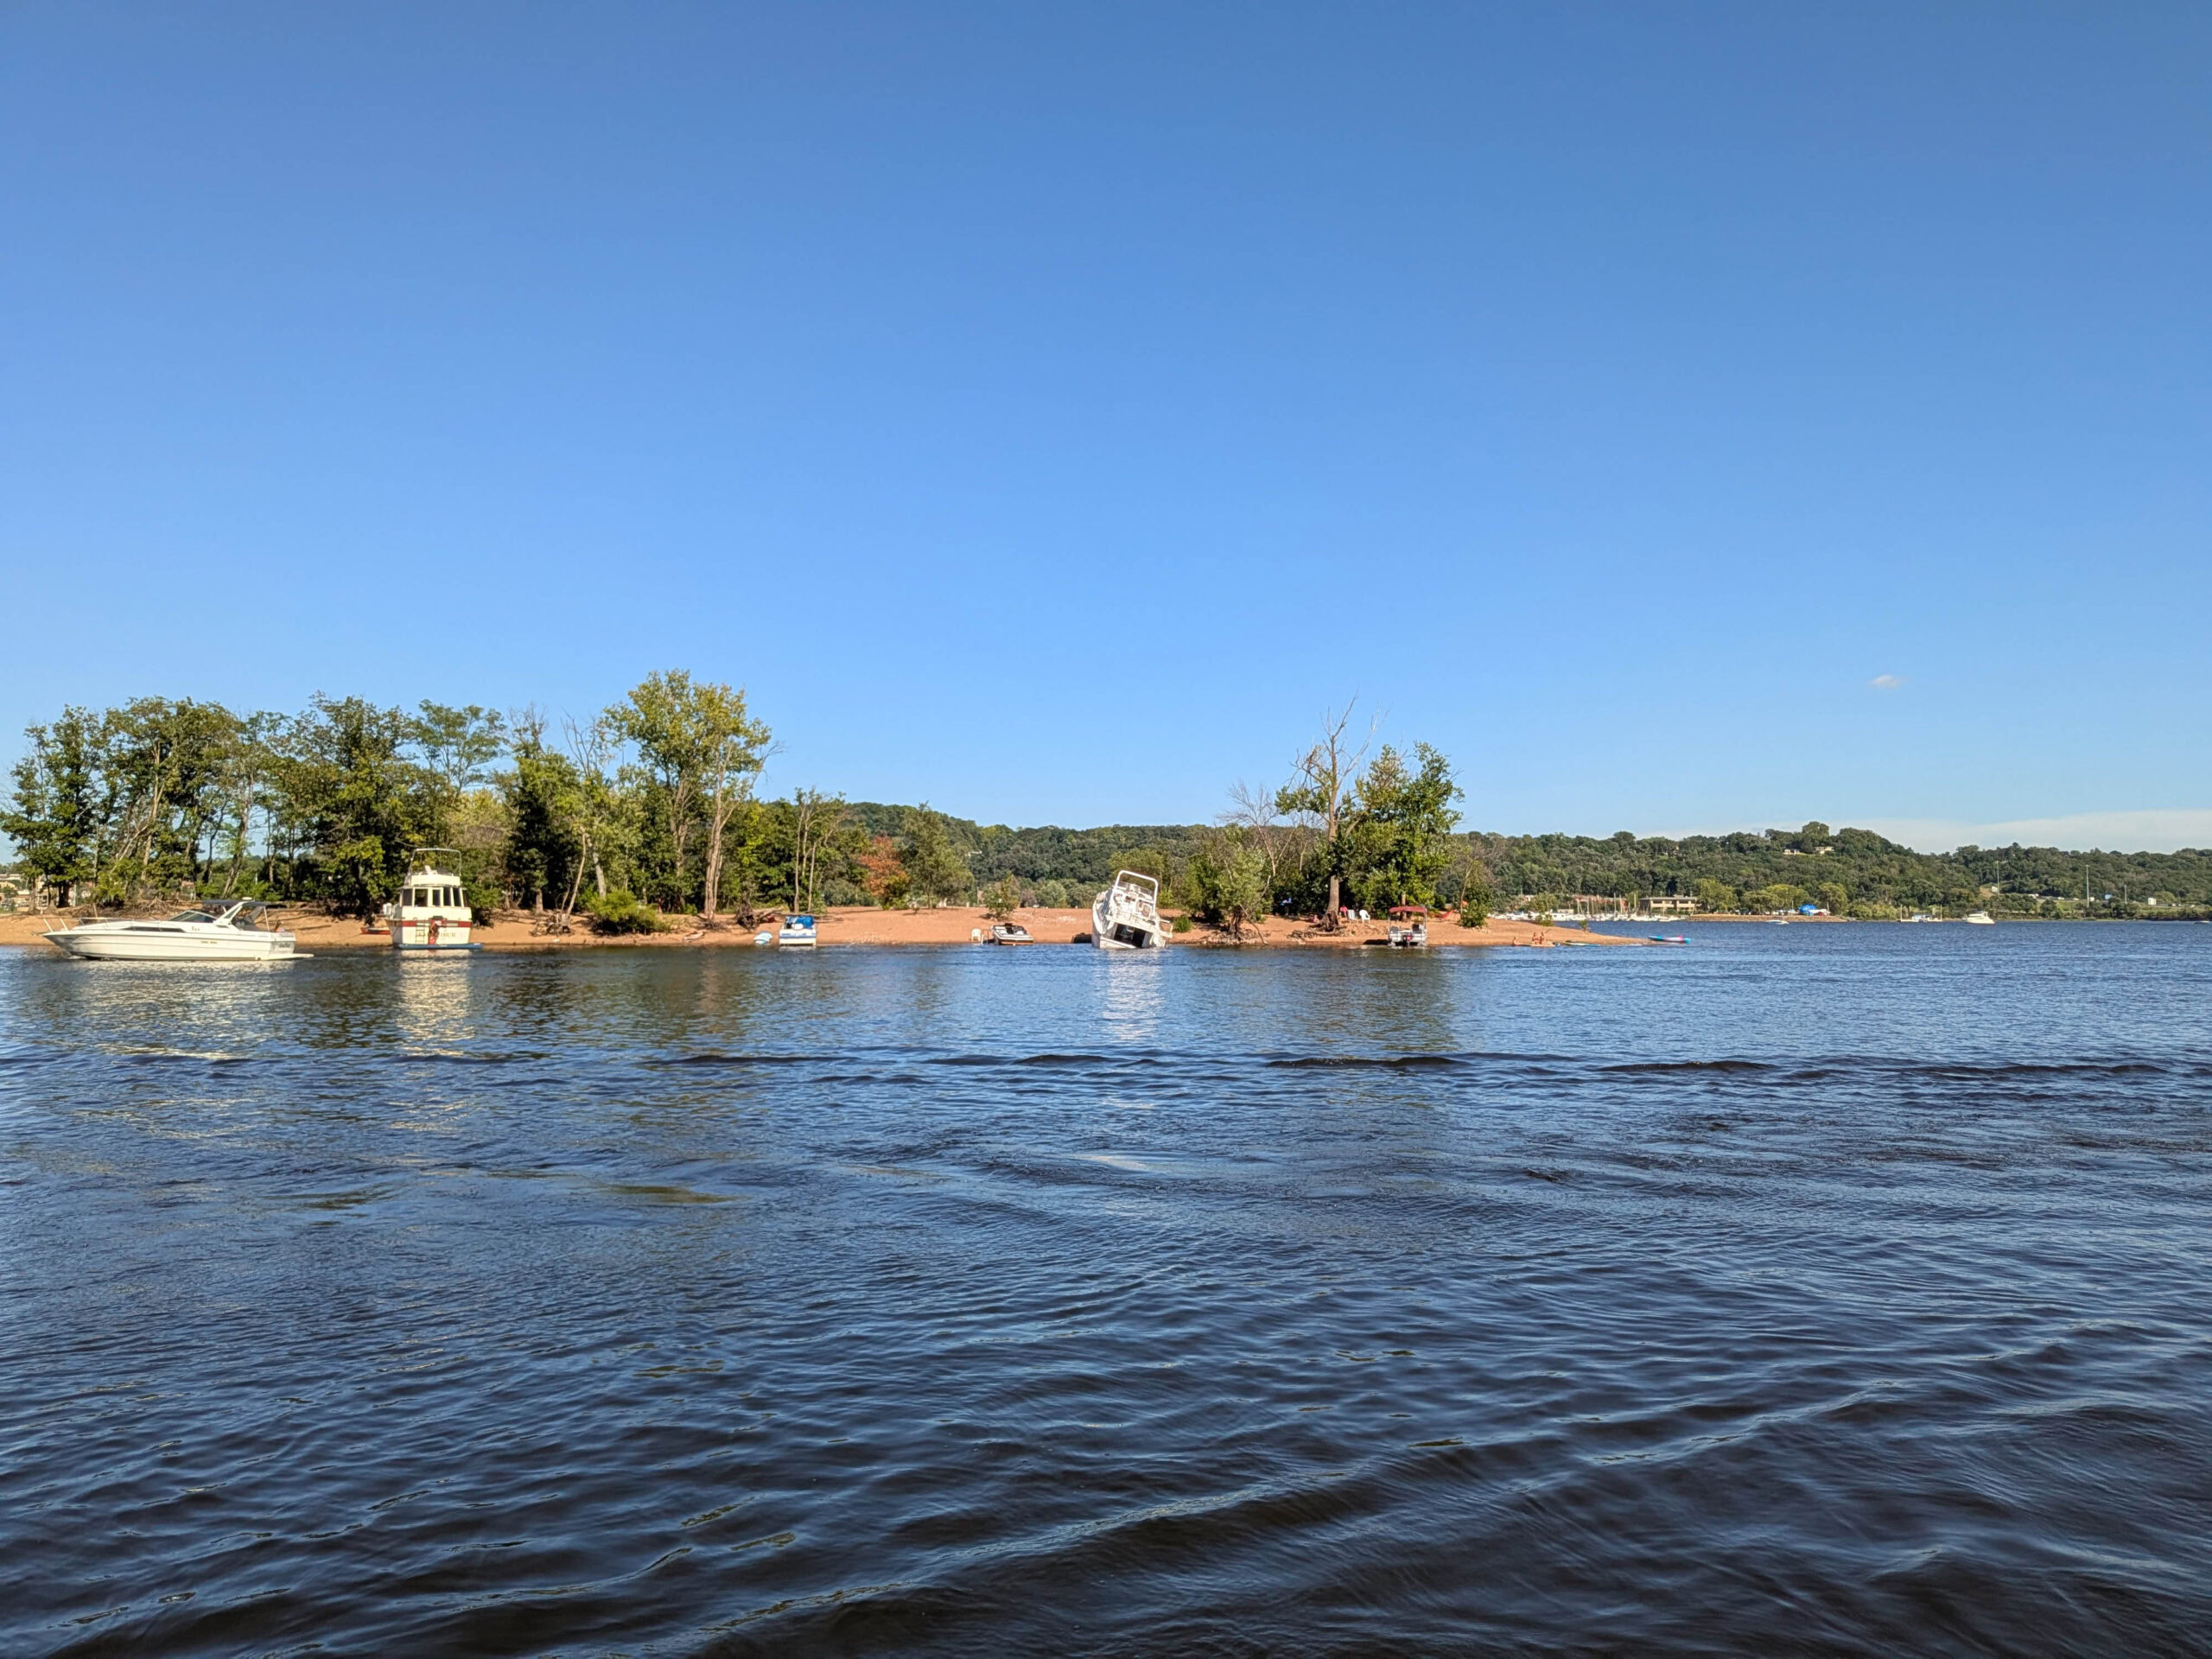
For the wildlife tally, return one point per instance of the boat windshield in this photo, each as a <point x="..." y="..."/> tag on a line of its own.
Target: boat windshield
<point x="192" y="916"/>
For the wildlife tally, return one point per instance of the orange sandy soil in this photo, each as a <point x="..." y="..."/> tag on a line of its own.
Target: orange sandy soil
<point x="858" y="924"/>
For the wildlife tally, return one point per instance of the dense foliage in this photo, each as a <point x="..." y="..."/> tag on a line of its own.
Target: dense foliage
<point x="651" y="807"/>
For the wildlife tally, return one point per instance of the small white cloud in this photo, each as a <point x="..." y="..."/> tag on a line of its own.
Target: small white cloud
<point x="1886" y="681"/>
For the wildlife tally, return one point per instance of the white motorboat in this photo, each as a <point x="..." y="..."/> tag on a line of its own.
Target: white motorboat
<point x="222" y="930"/>
<point x="1125" y="917"/>
<point x="1979" y="919"/>
<point x="797" y="931"/>
<point x="1010" y="933"/>
<point x="432" y="912"/>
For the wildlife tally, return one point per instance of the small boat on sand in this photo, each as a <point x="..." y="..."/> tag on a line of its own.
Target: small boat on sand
<point x="222" y="930"/>
<point x="1409" y="927"/>
<point x="1125" y="917"/>
<point x="797" y="931"/>
<point x="1010" y="933"/>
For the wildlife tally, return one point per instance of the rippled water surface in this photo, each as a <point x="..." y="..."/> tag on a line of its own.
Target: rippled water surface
<point x="1822" y="1289"/>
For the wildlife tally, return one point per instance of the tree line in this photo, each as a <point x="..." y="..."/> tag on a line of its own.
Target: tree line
<point x="652" y="807"/>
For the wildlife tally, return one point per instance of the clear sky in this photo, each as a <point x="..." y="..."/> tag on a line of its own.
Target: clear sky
<point x="1687" y="417"/>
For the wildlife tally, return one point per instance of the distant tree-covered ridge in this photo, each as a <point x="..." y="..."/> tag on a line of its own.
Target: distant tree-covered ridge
<point x="655" y="804"/>
<point x="1748" y="871"/>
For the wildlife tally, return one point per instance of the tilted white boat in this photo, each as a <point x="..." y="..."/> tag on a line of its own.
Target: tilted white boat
<point x="222" y="930"/>
<point x="1125" y="917"/>
<point x="432" y="912"/>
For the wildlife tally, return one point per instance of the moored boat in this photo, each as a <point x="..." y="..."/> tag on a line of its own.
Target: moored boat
<point x="1010" y="933"/>
<point x="221" y="931"/>
<point x="797" y="931"/>
<point x="1979" y="919"/>
<point x="432" y="912"/>
<point x="1125" y="917"/>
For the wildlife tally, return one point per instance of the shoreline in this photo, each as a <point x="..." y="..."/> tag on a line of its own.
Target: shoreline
<point x="857" y="924"/>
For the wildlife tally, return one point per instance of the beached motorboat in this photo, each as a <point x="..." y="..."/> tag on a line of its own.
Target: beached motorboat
<point x="797" y="931"/>
<point x="432" y="912"/>
<point x="222" y="930"/>
<point x="1409" y="927"/>
<point x="1010" y="933"/>
<point x="1125" y="917"/>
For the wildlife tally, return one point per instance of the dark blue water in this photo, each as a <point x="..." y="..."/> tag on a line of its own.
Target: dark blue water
<point x="1842" y="1289"/>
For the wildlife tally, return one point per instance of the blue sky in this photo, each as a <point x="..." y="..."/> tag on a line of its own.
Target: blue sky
<point x="1687" y="416"/>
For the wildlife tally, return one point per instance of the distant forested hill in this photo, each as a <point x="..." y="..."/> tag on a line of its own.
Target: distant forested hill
<point x="1729" y="872"/>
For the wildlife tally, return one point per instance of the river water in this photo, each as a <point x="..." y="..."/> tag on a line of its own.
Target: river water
<point x="1825" y="1289"/>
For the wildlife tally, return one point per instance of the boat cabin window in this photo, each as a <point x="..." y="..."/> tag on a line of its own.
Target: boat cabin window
<point x="192" y="916"/>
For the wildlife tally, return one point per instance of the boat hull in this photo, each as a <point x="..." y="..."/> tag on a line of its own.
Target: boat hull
<point x="1108" y="934"/>
<point x="419" y="936"/>
<point x="121" y="945"/>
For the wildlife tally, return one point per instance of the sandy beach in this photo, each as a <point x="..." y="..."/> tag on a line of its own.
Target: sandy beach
<point x="862" y="924"/>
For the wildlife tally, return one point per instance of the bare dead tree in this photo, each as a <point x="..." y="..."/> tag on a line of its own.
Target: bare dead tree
<point x="1321" y="795"/>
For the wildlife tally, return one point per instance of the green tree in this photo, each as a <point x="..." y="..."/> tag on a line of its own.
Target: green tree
<point x="1716" y="897"/>
<point x="362" y="806"/>
<point x="459" y="747"/>
<point x="658" y="716"/>
<point x="54" y="815"/>
<point x="934" y="868"/>
<point x="1776" y="895"/>
<point x="1404" y="820"/>
<point x="1228" y="879"/>
<point x="1001" y="899"/>
<point x="543" y="852"/>
<point x="818" y="824"/>
<point x="704" y="750"/>
<point x="1476" y="897"/>
<point x="1833" y="898"/>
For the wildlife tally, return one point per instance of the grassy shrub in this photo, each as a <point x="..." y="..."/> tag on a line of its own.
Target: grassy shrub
<point x="1001" y="899"/>
<point x="622" y="912"/>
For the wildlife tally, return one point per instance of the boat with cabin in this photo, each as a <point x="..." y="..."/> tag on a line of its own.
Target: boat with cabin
<point x="222" y="930"/>
<point x="1125" y="917"/>
<point x="432" y="912"/>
